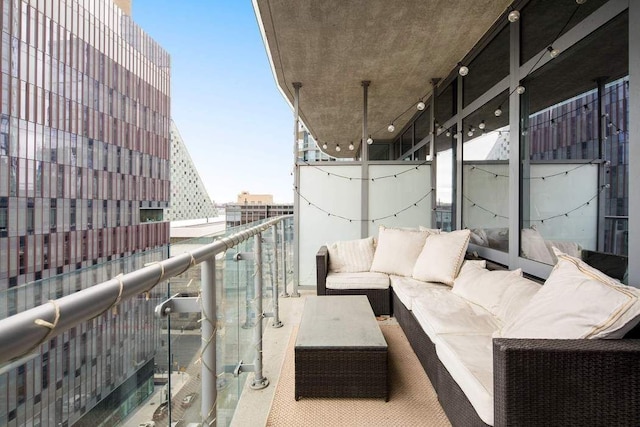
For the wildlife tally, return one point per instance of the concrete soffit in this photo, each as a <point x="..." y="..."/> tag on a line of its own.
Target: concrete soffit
<point x="332" y="46"/>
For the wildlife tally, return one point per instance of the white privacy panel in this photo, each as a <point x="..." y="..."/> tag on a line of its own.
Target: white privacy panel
<point x="324" y="199"/>
<point x="563" y="205"/>
<point x="485" y="195"/>
<point x="399" y="196"/>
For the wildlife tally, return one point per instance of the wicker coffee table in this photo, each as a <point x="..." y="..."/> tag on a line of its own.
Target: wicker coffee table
<point x="340" y="350"/>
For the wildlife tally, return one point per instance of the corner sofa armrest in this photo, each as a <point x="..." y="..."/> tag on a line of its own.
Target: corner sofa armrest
<point x="322" y="268"/>
<point x="566" y="382"/>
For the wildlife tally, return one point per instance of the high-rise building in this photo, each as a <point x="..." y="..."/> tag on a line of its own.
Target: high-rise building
<point x="189" y="197"/>
<point x="84" y="179"/>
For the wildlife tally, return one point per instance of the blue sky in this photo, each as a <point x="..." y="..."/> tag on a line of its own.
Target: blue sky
<point x="235" y="123"/>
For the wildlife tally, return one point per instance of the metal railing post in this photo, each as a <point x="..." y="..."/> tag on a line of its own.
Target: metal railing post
<point x="283" y="252"/>
<point x="274" y="259"/>
<point x="209" y="322"/>
<point x="259" y="381"/>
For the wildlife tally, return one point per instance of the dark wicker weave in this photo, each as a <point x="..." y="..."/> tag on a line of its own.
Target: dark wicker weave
<point x="380" y="299"/>
<point x="542" y="382"/>
<point x="344" y="372"/>
<point x="567" y="382"/>
<point x="420" y="342"/>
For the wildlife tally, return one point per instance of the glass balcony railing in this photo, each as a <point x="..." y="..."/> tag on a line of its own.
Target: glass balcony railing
<point x="174" y="341"/>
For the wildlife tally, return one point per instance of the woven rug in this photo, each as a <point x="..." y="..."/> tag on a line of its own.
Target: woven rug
<point x="412" y="402"/>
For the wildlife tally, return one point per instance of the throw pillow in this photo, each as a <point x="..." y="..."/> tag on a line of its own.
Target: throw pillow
<point x="397" y="250"/>
<point x="441" y="257"/>
<point x="351" y="256"/>
<point x="483" y="287"/>
<point x="533" y="246"/>
<point x="577" y="301"/>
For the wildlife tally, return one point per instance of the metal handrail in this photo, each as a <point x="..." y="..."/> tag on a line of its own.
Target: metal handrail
<point x="24" y="332"/>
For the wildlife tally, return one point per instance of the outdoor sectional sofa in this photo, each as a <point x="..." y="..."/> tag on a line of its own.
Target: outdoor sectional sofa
<point x="497" y="349"/>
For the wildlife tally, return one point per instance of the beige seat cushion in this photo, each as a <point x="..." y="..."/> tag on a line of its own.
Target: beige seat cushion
<point x="362" y="280"/>
<point x="469" y="360"/>
<point x="407" y="289"/>
<point x="351" y="256"/>
<point x="450" y="314"/>
<point x="577" y="301"/>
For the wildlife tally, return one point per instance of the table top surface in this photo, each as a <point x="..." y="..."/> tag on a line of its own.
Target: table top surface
<point x="339" y="321"/>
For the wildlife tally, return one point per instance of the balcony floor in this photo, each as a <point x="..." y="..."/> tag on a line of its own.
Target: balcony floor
<point x="255" y="405"/>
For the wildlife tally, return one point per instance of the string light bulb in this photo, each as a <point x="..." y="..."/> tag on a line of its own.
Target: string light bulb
<point x="351" y="147"/>
<point x="391" y="127"/>
<point x="482" y="125"/>
<point x="498" y="111"/>
<point x="520" y="90"/>
<point x="470" y="133"/>
<point x="463" y="70"/>
<point x="324" y="146"/>
<point x="448" y="132"/>
<point x="553" y="53"/>
<point x="369" y="140"/>
<point x="513" y="16"/>
<point x="420" y="106"/>
<point x="581" y="1"/>
<point x="338" y="147"/>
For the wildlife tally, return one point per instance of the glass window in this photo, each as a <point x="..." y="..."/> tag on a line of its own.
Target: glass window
<point x="488" y="68"/>
<point x="485" y="174"/>
<point x="562" y="147"/>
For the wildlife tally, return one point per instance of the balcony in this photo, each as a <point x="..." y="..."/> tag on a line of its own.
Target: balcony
<point x="519" y="130"/>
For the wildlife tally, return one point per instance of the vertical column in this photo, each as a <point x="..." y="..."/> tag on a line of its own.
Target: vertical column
<point x="514" y="145"/>
<point x="364" y="150"/>
<point x="634" y="140"/>
<point x="602" y="167"/>
<point x="259" y="381"/>
<point x="209" y="320"/>
<point x="283" y="254"/>
<point x="432" y="151"/>
<point x="274" y="282"/>
<point x="296" y="184"/>
<point x="457" y="152"/>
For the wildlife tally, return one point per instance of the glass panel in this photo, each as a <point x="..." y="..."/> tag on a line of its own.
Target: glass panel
<point x="539" y="28"/>
<point x="561" y="142"/>
<point x="485" y="175"/>
<point x="488" y="68"/>
<point x="445" y="152"/>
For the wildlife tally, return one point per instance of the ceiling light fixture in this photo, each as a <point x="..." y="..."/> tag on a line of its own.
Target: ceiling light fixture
<point x="463" y="70"/>
<point x="553" y="53"/>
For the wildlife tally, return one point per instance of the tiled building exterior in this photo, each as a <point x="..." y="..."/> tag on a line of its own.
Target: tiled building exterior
<point x="189" y="197"/>
<point x="84" y="164"/>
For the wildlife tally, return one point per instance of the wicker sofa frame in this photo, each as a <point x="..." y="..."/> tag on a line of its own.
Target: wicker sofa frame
<point x="542" y="382"/>
<point x="380" y="299"/>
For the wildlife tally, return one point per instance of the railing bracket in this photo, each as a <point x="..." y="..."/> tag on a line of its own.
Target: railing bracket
<point x="178" y="304"/>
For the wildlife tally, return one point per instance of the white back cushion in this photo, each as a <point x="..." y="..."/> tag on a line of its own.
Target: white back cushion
<point x="351" y="256"/>
<point x="577" y="301"/>
<point x="397" y="250"/>
<point x="441" y="257"/>
<point x="484" y="287"/>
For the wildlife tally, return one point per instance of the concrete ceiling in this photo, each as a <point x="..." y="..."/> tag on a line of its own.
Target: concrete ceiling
<point x="331" y="46"/>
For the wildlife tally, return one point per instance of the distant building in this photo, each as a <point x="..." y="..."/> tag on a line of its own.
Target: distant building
<point x="260" y="199"/>
<point x="189" y="197"/>
<point x="254" y="207"/>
